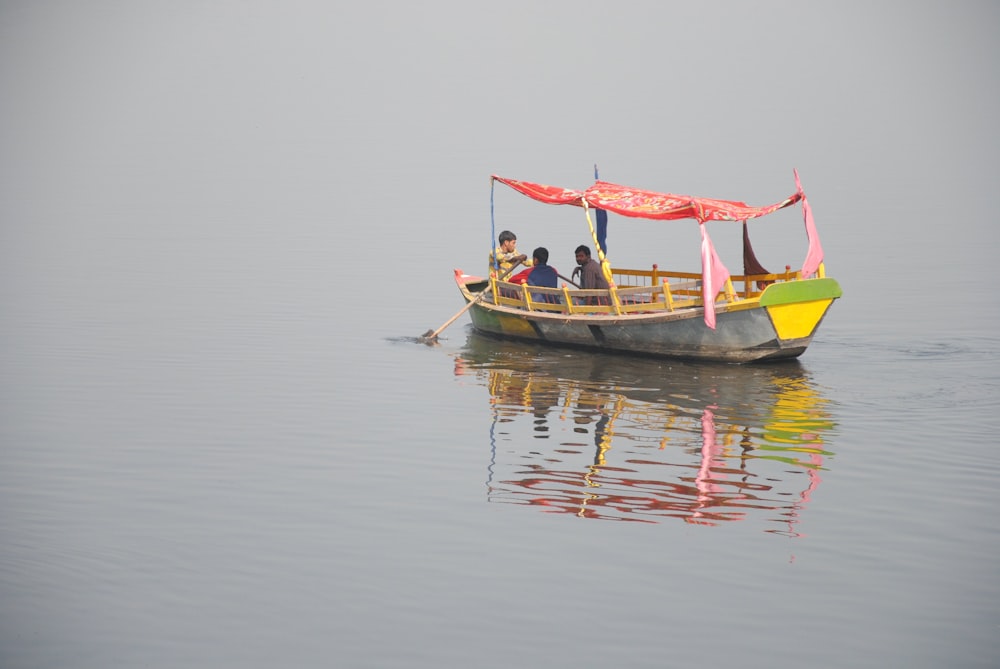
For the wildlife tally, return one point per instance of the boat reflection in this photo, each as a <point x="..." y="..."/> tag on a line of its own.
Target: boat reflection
<point x="631" y="439"/>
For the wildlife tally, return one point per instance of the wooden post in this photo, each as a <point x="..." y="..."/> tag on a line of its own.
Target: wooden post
<point x="730" y="293"/>
<point x="568" y="299"/>
<point x="667" y="295"/>
<point x="616" y="302"/>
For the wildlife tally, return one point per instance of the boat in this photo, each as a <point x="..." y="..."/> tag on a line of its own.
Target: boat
<point x="709" y="314"/>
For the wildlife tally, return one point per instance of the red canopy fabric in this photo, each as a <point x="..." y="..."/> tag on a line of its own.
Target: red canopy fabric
<point x="638" y="203"/>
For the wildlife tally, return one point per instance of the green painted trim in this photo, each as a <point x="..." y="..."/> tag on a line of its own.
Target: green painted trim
<point x="806" y="290"/>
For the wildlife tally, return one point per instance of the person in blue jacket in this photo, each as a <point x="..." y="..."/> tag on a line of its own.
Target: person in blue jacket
<point x="542" y="274"/>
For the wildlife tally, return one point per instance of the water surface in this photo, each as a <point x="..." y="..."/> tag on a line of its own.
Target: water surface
<point x="223" y="227"/>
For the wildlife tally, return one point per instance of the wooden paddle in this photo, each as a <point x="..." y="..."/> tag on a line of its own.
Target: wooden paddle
<point x="569" y="281"/>
<point x="432" y="335"/>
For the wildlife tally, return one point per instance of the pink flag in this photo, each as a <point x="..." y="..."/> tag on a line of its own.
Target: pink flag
<point x="815" y="254"/>
<point x="704" y="481"/>
<point x="710" y="450"/>
<point x="713" y="276"/>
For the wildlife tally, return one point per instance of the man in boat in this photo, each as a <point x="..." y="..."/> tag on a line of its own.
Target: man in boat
<point x="507" y="254"/>
<point x="591" y="276"/>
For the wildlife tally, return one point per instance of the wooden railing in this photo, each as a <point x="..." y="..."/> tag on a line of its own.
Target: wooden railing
<point x="634" y="291"/>
<point x="746" y="286"/>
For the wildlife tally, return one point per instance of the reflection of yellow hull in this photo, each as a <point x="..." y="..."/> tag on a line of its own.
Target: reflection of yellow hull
<point x="633" y="440"/>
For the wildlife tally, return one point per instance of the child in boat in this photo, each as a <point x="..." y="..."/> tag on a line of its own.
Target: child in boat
<point x="507" y="254"/>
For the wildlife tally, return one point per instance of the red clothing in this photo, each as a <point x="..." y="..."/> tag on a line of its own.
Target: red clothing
<point x="549" y="279"/>
<point x="521" y="277"/>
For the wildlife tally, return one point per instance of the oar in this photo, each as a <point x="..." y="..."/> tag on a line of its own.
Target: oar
<point x="571" y="282"/>
<point x="431" y="335"/>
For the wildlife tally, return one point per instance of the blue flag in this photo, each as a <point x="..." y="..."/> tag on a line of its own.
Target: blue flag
<point x="602" y="222"/>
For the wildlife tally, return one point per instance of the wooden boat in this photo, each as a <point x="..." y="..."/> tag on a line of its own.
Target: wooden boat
<point x="704" y="315"/>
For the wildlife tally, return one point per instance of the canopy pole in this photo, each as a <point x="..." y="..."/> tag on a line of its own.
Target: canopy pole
<point x="605" y="265"/>
<point x="493" y="227"/>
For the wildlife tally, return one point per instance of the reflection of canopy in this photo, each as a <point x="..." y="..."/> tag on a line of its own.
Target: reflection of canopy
<point x="638" y="203"/>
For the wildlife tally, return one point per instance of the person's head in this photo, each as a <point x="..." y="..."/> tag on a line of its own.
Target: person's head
<point x="582" y="254"/>
<point x="508" y="241"/>
<point x="540" y="255"/>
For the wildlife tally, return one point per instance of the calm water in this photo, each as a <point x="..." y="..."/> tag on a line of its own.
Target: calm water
<point x="222" y="228"/>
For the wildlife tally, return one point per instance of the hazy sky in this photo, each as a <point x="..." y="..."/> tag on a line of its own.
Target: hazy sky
<point x="366" y="112"/>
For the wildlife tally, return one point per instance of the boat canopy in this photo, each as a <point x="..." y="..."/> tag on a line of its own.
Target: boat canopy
<point x="638" y="203"/>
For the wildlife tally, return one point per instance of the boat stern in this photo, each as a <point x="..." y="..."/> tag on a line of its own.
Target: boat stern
<point x="796" y="308"/>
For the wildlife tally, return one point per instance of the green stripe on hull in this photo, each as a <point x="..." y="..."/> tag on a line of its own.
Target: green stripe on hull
<point x="800" y="291"/>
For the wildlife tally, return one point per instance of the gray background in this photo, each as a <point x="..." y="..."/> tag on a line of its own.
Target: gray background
<point x="219" y="223"/>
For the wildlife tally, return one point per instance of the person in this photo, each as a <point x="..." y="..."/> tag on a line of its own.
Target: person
<point x="591" y="276"/>
<point x="507" y="254"/>
<point x="539" y="274"/>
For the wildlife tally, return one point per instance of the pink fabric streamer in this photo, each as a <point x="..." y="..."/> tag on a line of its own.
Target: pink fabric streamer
<point x="713" y="277"/>
<point x="814" y="479"/>
<point x="710" y="451"/>
<point x="815" y="254"/>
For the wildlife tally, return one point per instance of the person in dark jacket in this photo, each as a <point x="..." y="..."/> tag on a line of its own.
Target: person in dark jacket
<point x="591" y="276"/>
<point x="539" y="274"/>
<point x="547" y="276"/>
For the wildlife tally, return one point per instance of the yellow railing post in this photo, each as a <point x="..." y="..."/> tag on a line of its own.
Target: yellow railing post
<point x="526" y="297"/>
<point x="730" y="293"/>
<point x="569" y="300"/>
<point x="493" y="288"/>
<point x="668" y="297"/>
<point x="616" y="302"/>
